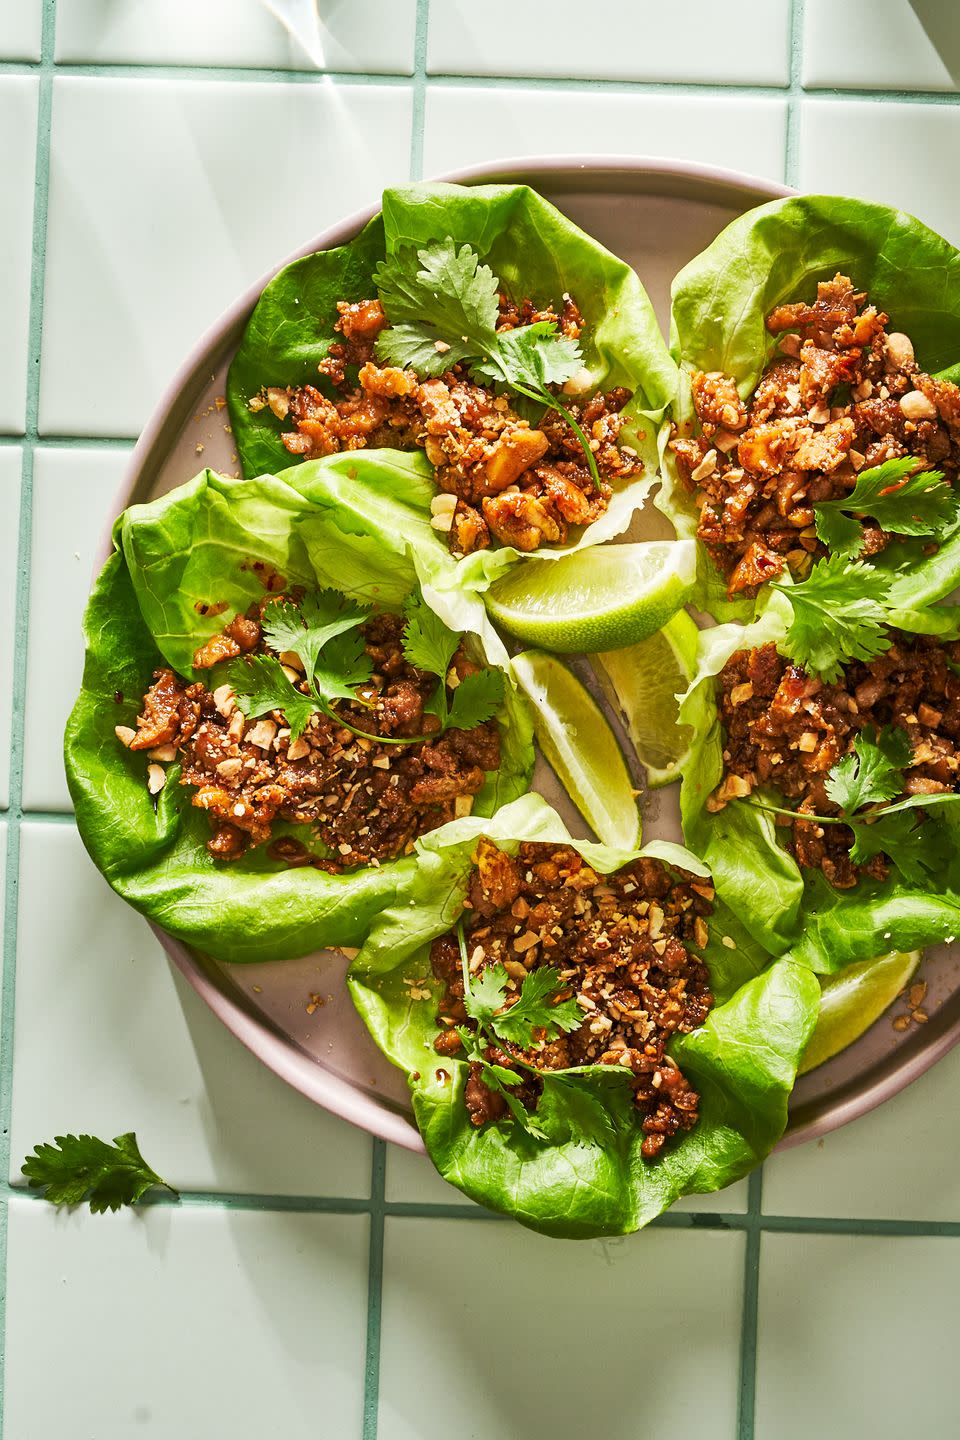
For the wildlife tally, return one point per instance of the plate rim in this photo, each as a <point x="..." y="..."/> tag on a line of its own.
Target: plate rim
<point x="280" y="1054"/>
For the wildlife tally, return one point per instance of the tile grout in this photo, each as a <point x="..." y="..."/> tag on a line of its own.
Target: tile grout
<point x="22" y="609"/>
<point x="418" y="112"/>
<point x="748" y="1318"/>
<point x="791" y="159"/>
<point x="371" y="1367"/>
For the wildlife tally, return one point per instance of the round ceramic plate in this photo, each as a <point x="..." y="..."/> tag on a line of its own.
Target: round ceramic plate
<point x="296" y="1015"/>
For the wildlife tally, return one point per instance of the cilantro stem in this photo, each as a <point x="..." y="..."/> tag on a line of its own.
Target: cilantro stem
<point x="544" y="397"/>
<point x="796" y="815"/>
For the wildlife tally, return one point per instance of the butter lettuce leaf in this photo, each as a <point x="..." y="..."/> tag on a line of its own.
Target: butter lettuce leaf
<point x="778" y="252"/>
<point x="213" y="544"/>
<point x="584" y="1176"/>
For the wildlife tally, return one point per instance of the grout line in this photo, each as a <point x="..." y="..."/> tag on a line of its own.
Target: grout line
<point x="371" y="1367"/>
<point x="419" y="89"/>
<point x="45" y="817"/>
<point x="252" y="74"/>
<point x="37" y="267"/>
<point x="71" y="442"/>
<point x="734" y="1222"/>
<point x="746" y="1404"/>
<point x="791" y="159"/>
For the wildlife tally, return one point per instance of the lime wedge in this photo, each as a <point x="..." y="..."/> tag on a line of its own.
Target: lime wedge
<point x="576" y="739"/>
<point x="642" y="683"/>
<point x="851" y="1001"/>
<point x="595" y="599"/>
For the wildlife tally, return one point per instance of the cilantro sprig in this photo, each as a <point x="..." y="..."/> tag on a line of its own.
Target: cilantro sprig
<point x="899" y="501"/>
<point x="322" y="631"/>
<point x="839" y="614"/>
<point x="81" y="1167"/>
<point x="443" y="308"/>
<point x="861" y="784"/>
<point x="536" y="1015"/>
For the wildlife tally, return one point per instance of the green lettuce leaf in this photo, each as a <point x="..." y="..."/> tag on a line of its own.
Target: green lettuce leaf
<point x="535" y="251"/>
<point x="783" y="907"/>
<point x="587" y="1176"/>
<point x="197" y="547"/>
<point x="778" y="252"/>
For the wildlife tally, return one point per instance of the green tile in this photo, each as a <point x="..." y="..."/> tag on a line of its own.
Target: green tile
<point x="896" y="45"/>
<point x="469" y="39"/>
<point x="107" y="1040"/>
<point x="73" y="493"/>
<point x="747" y="134"/>
<point x="18" y="132"/>
<point x="360" y="35"/>
<point x="492" y="1332"/>
<point x="896" y="1163"/>
<point x="220" y="180"/>
<point x="915" y="141"/>
<point x="10" y="465"/>
<point x="856" y="1337"/>
<point x="184" y="1324"/>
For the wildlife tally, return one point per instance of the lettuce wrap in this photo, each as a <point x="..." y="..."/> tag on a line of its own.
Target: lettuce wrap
<point x="537" y="253"/>
<point x="786" y="908"/>
<point x="206" y="545"/>
<point x="587" y="1178"/>
<point x="777" y="253"/>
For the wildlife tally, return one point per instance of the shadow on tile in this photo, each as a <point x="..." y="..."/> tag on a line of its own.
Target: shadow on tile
<point x="942" y="25"/>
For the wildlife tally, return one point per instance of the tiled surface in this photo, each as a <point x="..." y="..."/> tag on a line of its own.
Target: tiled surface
<point x="915" y="141"/>
<point x="746" y="135"/>
<point x="353" y="34"/>
<point x="148" y="1054"/>
<point x="865" y="45"/>
<point x="18" y="146"/>
<point x="10" y="467"/>
<point x="482" y="1306"/>
<point x="219" y="181"/>
<point x="184" y="1323"/>
<point x="637" y="42"/>
<point x="857" y="1337"/>
<point x="20" y="30"/>
<point x="172" y="183"/>
<point x="72" y="491"/>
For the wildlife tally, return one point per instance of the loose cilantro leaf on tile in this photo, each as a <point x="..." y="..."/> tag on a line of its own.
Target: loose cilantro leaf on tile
<point x="900" y="502"/>
<point x="81" y="1167"/>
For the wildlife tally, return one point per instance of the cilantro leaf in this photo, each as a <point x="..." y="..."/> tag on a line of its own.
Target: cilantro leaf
<point x="838" y="616"/>
<point x="476" y="699"/>
<point x="261" y="686"/>
<point x="900" y="502"/>
<point x="343" y="666"/>
<point x="535" y="1010"/>
<point x="532" y="355"/>
<point x="917" y="850"/>
<point x="872" y="772"/>
<point x="485" y="995"/>
<point x="427" y="643"/>
<point x="306" y="628"/>
<point x="421" y="348"/>
<point x="587" y="1109"/>
<point x="448" y="296"/>
<point x="81" y="1167"/>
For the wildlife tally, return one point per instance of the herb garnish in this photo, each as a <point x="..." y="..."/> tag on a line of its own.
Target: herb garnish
<point x="443" y="309"/>
<point x="900" y="502"/>
<point x="838" y="615"/>
<point x="321" y="631"/>
<point x="860" y="785"/>
<point x="81" y="1167"/>
<point x="536" y="1009"/>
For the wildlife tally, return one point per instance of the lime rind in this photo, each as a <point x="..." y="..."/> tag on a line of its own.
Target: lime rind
<point x="595" y="773"/>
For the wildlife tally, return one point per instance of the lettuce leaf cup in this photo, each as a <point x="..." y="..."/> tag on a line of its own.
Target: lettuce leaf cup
<point x="821" y="789"/>
<point x="816" y="414"/>
<point x="528" y="1096"/>
<point x="480" y="331"/>
<point x="233" y="668"/>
